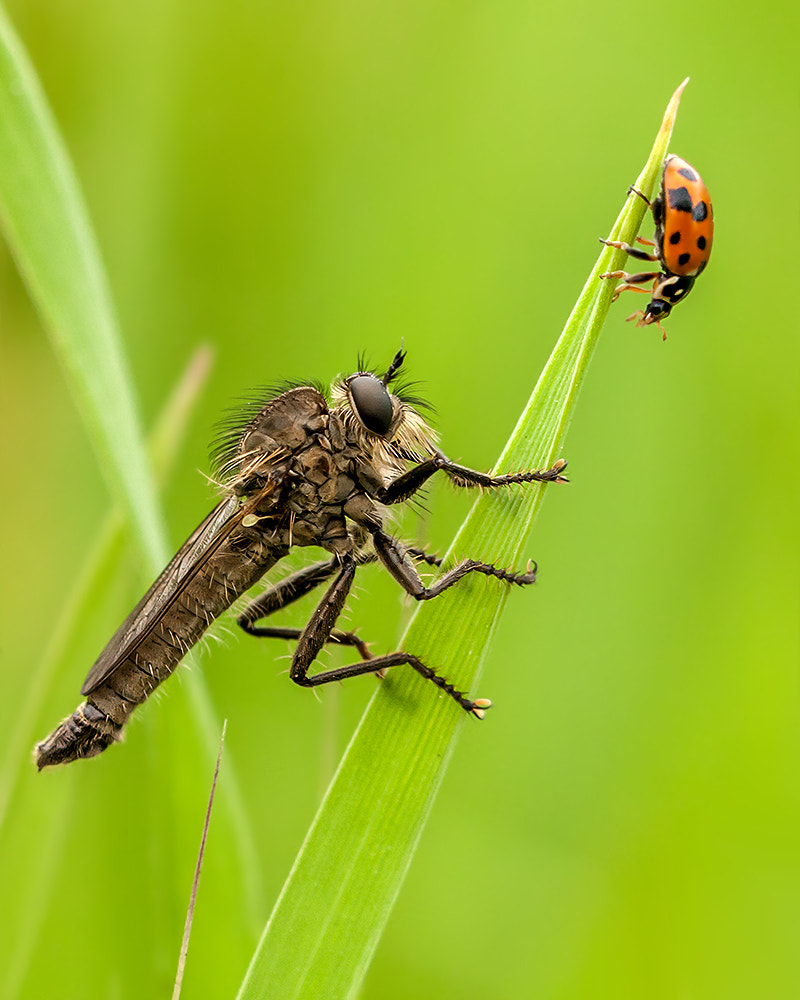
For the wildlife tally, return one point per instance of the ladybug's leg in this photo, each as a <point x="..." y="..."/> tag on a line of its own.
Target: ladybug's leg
<point x="631" y="282"/>
<point x="634" y="279"/>
<point x="645" y="199"/>
<point x="641" y="320"/>
<point x="624" y="287"/>
<point x="644" y="242"/>
<point x="630" y="250"/>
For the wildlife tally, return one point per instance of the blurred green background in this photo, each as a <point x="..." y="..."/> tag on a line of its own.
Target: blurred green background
<point x="293" y="184"/>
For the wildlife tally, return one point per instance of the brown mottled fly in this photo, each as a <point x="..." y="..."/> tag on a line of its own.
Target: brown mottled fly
<point x="297" y="469"/>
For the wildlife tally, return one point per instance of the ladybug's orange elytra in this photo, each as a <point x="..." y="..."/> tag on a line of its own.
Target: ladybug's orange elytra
<point x="684" y="234"/>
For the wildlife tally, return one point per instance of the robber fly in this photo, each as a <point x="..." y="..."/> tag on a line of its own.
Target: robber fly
<point x="296" y="470"/>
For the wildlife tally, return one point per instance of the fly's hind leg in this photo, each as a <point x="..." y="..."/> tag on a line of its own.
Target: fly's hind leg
<point x="321" y="626"/>
<point x="287" y="592"/>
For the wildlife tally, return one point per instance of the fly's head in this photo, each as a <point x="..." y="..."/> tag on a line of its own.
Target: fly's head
<point x="386" y="426"/>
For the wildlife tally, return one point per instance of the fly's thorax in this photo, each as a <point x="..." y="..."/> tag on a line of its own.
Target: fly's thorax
<point x="319" y="476"/>
<point x="281" y="428"/>
<point x="286" y="421"/>
<point x="306" y="505"/>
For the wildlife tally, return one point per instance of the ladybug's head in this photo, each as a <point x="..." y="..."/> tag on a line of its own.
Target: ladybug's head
<point x="669" y="290"/>
<point x="657" y="309"/>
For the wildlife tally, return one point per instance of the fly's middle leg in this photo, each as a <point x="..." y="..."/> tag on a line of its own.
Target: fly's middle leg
<point x="321" y="626"/>
<point x="298" y="585"/>
<point x="396" y="558"/>
<point x="287" y="592"/>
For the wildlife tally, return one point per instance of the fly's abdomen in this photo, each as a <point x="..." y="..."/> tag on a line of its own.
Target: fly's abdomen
<point x="158" y="653"/>
<point x="85" y="733"/>
<point x="153" y="641"/>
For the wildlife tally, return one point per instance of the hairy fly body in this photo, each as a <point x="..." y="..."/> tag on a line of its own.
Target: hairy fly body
<point x="297" y="470"/>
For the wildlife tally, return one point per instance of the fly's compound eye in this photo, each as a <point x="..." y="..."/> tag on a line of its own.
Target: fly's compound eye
<point x="372" y="403"/>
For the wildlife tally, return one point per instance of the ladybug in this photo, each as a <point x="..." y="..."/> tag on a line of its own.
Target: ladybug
<point x="684" y="233"/>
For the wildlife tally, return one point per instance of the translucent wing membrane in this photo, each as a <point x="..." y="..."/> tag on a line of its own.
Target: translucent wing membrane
<point x="187" y="562"/>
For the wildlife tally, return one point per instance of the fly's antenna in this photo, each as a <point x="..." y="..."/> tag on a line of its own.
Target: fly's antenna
<point x="395" y="366"/>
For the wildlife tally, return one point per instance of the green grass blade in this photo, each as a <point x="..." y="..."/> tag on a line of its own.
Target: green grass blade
<point x="187" y="927"/>
<point x="101" y="562"/>
<point x="50" y="826"/>
<point x="331" y="913"/>
<point x="49" y="833"/>
<point x="48" y="839"/>
<point x="46" y="224"/>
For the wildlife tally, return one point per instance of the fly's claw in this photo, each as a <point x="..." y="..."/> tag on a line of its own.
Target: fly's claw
<point x="529" y="576"/>
<point x="551" y="475"/>
<point x="480" y="707"/>
<point x="520" y="579"/>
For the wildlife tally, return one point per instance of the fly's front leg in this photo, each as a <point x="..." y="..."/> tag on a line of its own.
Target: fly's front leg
<point x="287" y="592"/>
<point x="406" y="485"/>
<point x="464" y="477"/>
<point x="320" y="628"/>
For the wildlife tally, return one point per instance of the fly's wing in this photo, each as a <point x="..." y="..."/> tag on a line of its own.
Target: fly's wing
<point x="192" y="555"/>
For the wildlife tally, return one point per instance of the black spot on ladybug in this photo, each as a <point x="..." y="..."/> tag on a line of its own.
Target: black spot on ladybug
<point x="680" y="199"/>
<point x="688" y="173"/>
<point x="701" y="242"/>
<point x="684" y="259"/>
<point x="700" y="212"/>
<point x="675" y="238"/>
